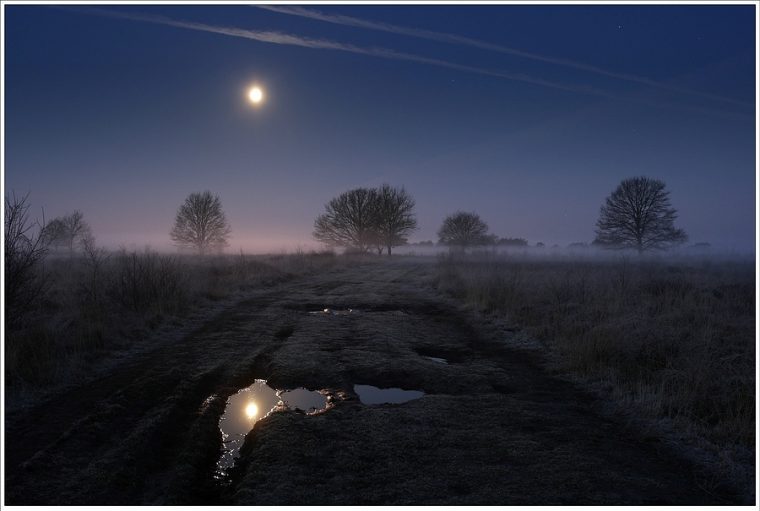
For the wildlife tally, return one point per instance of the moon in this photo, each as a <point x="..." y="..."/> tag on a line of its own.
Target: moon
<point x="251" y="410"/>
<point x="256" y="95"/>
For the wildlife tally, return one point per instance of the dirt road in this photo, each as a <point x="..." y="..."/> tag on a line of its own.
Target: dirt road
<point x="493" y="428"/>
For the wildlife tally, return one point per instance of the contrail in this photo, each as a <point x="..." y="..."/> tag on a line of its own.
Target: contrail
<point x="307" y="42"/>
<point x="467" y="41"/>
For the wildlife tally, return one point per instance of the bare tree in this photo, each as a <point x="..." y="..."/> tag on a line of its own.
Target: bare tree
<point x="69" y="231"/>
<point x="349" y="220"/>
<point x="364" y="218"/>
<point x="24" y="252"/>
<point x="201" y="224"/>
<point x="394" y="216"/>
<point x="638" y="215"/>
<point x="464" y="230"/>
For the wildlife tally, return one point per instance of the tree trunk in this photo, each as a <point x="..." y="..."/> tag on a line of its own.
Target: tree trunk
<point x="389" y="250"/>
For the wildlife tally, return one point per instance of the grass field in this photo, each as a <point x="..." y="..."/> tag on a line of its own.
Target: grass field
<point x="674" y="339"/>
<point x="91" y="305"/>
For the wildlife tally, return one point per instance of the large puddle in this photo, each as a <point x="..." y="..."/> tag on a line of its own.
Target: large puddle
<point x="370" y="395"/>
<point x="252" y="404"/>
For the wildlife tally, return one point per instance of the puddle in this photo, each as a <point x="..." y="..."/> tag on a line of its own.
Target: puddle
<point x="334" y="312"/>
<point x="306" y="400"/>
<point x="370" y="395"/>
<point x="251" y="404"/>
<point x="439" y="360"/>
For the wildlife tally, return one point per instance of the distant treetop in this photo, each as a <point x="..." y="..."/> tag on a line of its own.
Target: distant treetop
<point x="201" y="224"/>
<point x="512" y="242"/>
<point x="463" y="229"/>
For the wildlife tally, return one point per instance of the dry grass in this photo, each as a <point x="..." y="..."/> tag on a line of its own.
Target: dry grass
<point x="672" y="339"/>
<point x="99" y="302"/>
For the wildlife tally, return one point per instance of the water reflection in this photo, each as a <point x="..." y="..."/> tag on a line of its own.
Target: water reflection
<point x="370" y="395"/>
<point x="252" y="404"/>
<point x="251" y="410"/>
<point x="439" y="360"/>
<point x="302" y="399"/>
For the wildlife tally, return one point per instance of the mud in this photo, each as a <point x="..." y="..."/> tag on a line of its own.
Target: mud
<point x="494" y="427"/>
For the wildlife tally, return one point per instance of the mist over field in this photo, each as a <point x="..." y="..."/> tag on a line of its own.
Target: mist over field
<point x="394" y="254"/>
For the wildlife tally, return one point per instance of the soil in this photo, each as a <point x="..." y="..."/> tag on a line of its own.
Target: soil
<point x="494" y="426"/>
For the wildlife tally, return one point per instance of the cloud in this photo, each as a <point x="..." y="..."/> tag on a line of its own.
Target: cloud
<point x="476" y="43"/>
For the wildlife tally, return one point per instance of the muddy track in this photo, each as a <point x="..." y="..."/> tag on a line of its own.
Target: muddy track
<point x="493" y="427"/>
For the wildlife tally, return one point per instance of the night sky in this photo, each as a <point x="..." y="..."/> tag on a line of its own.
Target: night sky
<point x="121" y="112"/>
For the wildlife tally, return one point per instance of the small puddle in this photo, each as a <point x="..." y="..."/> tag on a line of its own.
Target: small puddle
<point x="370" y="395"/>
<point x="334" y="312"/>
<point x="251" y="404"/>
<point x="439" y="360"/>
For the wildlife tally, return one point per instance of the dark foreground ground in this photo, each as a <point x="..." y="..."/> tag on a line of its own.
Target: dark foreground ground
<point x="493" y="428"/>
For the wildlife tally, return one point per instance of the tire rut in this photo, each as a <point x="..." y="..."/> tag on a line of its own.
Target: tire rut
<point x="158" y="392"/>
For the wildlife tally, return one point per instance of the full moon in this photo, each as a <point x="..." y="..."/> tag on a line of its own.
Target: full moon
<point x="251" y="410"/>
<point x="256" y="95"/>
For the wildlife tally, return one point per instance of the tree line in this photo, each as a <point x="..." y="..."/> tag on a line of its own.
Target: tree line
<point x="636" y="215"/>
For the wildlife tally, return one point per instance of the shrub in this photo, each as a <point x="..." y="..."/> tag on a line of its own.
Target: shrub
<point x="148" y="281"/>
<point x="25" y="279"/>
